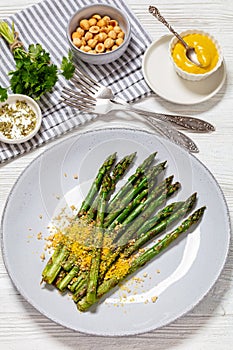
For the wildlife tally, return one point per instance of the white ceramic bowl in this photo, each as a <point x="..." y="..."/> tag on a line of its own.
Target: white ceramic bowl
<point x="34" y="106"/>
<point x="192" y="76"/>
<point x="102" y="10"/>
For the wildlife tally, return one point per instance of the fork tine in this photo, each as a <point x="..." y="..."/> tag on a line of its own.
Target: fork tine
<point x="77" y="106"/>
<point x="84" y="87"/>
<point x="78" y="100"/>
<point x="83" y="84"/>
<point x="81" y="103"/>
<point x="80" y="95"/>
<point x="78" y="70"/>
<point x="85" y="80"/>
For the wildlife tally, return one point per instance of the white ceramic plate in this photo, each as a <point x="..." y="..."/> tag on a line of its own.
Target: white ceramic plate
<point x="162" y="78"/>
<point x="187" y="270"/>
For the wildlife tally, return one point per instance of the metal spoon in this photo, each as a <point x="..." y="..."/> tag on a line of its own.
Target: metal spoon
<point x="190" y="51"/>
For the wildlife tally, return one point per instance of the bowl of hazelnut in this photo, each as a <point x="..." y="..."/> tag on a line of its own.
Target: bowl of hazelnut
<point x="99" y="34"/>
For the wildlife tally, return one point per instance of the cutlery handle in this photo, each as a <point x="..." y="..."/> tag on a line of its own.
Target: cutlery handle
<point x="183" y="122"/>
<point x="189" y="123"/>
<point x="163" y="127"/>
<point x="155" y="12"/>
<point x="173" y="135"/>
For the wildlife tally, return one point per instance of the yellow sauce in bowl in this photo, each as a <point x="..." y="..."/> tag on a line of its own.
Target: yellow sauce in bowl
<point x="206" y="51"/>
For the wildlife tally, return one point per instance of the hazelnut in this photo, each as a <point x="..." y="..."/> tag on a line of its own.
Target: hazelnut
<point x="88" y="36"/>
<point x="96" y="16"/>
<point x="80" y="31"/>
<point x="108" y="43"/>
<point x="92" y="21"/>
<point x="117" y="29"/>
<point x="119" y="41"/>
<point x="109" y="28"/>
<point x="94" y="29"/>
<point x="99" y="48"/>
<point x="104" y="29"/>
<point x="113" y="23"/>
<point x="75" y="35"/>
<point x="77" y="42"/>
<point x="112" y="34"/>
<point x="84" y="24"/>
<point x="107" y="19"/>
<point x="102" y="36"/>
<point x="87" y="48"/>
<point x="121" y="35"/>
<point x="98" y="34"/>
<point x="92" y="43"/>
<point x="101" y="23"/>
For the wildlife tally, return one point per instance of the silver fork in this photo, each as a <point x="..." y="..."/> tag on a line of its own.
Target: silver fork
<point x="91" y="87"/>
<point x="89" y="104"/>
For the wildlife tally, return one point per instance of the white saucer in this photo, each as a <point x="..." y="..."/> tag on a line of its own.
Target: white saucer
<point x="160" y="75"/>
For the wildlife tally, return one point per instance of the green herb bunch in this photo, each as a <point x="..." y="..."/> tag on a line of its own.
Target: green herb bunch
<point x="35" y="74"/>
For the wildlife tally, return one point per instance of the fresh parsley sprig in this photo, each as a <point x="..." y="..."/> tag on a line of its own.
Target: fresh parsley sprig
<point x="35" y="74"/>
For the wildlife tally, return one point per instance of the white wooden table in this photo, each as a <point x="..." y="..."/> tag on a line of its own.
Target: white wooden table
<point x="210" y="324"/>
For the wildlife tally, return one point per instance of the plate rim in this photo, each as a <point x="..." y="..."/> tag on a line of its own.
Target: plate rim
<point x="162" y="95"/>
<point x="127" y="333"/>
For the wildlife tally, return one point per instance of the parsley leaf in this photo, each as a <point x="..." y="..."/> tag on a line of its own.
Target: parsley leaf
<point x="34" y="72"/>
<point x="67" y="67"/>
<point x="3" y="94"/>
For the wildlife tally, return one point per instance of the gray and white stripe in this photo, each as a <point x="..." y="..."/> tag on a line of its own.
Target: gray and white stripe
<point x="45" y="23"/>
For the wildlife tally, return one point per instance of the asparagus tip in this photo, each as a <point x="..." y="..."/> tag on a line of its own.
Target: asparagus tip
<point x="169" y="179"/>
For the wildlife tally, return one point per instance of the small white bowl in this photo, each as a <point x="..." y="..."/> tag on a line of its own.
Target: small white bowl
<point x="34" y="106"/>
<point x="103" y="10"/>
<point x="193" y="76"/>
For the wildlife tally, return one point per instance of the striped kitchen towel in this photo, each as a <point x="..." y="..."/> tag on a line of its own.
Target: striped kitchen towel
<point x="46" y="23"/>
